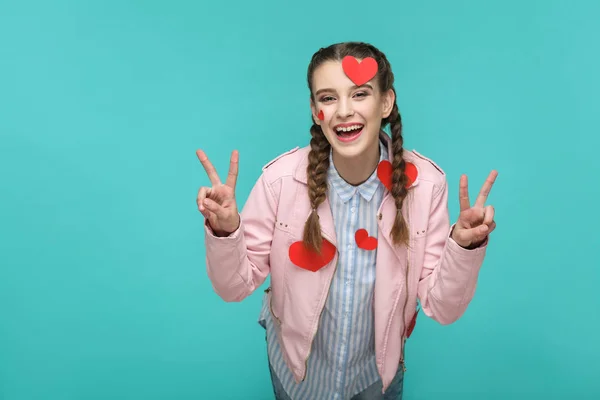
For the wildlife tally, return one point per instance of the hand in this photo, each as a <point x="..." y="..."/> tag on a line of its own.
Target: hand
<point x="474" y="223"/>
<point x="217" y="203"/>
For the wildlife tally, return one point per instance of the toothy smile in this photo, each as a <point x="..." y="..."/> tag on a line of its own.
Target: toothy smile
<point x="347" y="128"/>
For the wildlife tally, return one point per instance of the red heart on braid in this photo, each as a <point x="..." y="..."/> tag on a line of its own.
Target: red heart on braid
<point x="384" y="173"/>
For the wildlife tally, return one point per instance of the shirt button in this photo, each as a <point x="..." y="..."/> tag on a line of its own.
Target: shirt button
<point x="348" y="282"/>
<point x="353" y="209"/>
<point x="349" y="247"/>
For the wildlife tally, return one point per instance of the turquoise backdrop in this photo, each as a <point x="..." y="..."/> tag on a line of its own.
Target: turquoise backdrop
<point x="103" y="286"/>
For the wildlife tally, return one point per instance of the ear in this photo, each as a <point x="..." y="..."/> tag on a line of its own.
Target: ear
<point x="388" y="99"/>
<point x="314" y="111"/>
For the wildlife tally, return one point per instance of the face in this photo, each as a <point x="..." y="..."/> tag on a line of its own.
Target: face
<point x="351" y="114"/>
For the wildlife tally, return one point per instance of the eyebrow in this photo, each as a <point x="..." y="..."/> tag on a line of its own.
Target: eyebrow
<point x="353" y="88"/>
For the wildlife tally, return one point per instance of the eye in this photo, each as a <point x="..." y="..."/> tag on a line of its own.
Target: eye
<point x="326" y="99"/>
<point x="361" y="94"/>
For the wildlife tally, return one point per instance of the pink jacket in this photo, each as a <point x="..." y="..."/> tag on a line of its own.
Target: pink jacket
<point x="437" y="271"/>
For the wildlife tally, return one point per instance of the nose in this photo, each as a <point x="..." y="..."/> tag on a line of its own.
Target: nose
<point x="345" y="109"/>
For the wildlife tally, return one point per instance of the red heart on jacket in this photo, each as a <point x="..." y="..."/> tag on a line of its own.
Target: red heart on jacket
<point x="384" y="173"/>
<point x="411" y="325"/>
<point x="321" y="115"/>
<point x="359" y="73"/>
<point x="364" y="241"/>
<point x="309" y="259"/>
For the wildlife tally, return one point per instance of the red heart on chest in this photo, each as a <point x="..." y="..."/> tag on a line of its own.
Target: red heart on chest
<point x="364" y="241"/>
<point x="359" y="72"/>
<point x="384" y="173"/>
<point x="309" y="259"/>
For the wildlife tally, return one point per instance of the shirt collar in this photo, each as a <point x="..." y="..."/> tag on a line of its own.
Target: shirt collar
<point x="366" y="189"/>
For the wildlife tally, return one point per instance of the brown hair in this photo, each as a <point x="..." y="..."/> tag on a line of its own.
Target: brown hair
<point x="318" y="158"/>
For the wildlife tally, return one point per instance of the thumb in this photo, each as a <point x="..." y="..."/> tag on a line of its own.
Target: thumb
<point x="214" y="207"/>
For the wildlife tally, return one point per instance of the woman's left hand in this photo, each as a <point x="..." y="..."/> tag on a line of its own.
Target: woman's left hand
<point x="474" y="223"/>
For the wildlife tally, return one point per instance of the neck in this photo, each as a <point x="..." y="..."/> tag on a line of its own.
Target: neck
<point x="358" y="169"/>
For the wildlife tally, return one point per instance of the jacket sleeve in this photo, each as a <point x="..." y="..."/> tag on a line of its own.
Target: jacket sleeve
<point x="449" y="275"/>
<point x="239" y="263"/>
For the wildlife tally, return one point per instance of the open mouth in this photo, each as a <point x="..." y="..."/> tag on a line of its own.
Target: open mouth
<point x="351" y="132"/>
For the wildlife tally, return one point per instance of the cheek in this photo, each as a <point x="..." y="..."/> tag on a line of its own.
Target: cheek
<point x="368" y="110"/>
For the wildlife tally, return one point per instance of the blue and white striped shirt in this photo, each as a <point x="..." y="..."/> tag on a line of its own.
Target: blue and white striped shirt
<point x="342" y="361"/>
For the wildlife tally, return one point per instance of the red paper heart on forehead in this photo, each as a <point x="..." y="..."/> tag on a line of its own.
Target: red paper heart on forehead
<point x="364" y="241"/>
<point x="384" y="173"/>
<point x="311" y="260"/>
<point x="359" y="72"/>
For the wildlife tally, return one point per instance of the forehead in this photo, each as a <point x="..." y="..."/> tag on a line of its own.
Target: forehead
<point x="329" y="74"/>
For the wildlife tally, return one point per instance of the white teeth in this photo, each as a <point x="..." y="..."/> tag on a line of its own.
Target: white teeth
<point x="348" y="128"/>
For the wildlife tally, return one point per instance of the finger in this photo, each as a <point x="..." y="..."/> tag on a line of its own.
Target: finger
<point x="205" y="213"/>
<point x="208" y="167"/>
<point x="492" y="227"/>
<point x="203" y="193"/>
<point x="485" y="189"/>
<point x="475" y="234"/>
<point x="463" y="193"/>
<point x="488" y="217"/>
<point x="233" y="169"/>
<point x="214" y="207"/>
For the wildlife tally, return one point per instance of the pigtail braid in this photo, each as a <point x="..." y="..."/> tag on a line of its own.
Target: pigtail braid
<point x="399" y="232"/>
<point x="318" y="164"/>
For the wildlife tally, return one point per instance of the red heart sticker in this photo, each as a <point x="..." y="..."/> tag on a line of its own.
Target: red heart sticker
<point x="359" y="73"/>
<point x="384" y="173"/>
<point x="309" y="259"/>
<point x="411" y="325"/>
<point x="364" y="241"/>
<point x="411" y="173"/>
<point x="321" y="115"/>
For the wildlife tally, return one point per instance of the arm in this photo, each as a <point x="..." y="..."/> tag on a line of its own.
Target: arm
<point x="449" y="275"/>
<point x="239" y="263"/>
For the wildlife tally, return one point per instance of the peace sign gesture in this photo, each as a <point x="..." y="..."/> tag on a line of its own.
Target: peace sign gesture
<point x="217" y="203"/>
<point x="474" y="223"/>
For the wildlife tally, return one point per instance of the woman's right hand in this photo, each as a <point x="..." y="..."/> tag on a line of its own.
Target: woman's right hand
<point x="217" y="203"/>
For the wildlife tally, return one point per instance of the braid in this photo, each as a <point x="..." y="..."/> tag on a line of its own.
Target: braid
<point x="400" y="229"/>
<point x="318" y="163"/>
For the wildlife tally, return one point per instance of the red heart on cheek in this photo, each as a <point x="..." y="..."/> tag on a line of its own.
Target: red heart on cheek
<point x="311" y="260"/>
<point x="321" y="115"/>
<point x="384" y="173"/>
<point x="359" y="73"/>
<point x="364" y="241"/>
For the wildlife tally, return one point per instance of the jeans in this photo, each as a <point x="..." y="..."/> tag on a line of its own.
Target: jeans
<point x="373" y="392"/>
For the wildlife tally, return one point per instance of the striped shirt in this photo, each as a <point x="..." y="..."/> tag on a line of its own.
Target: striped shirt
<point x="342" y="361"/>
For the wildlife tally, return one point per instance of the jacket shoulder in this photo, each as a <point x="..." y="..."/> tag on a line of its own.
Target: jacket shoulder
<point x="284" y="164"/>
<point x="428" y="169"/>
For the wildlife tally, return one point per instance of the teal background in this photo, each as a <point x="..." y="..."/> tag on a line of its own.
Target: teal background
<point x="103" y="287"/>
